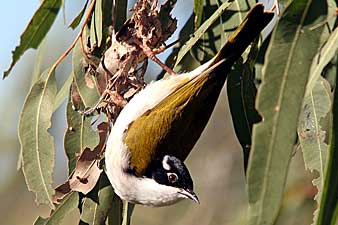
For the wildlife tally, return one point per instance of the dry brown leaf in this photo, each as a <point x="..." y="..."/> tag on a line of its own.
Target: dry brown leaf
<point x="142" y="35"/>
<point x="87" y="172"/>
<point x="88" y="169"/>
<point x="61" y="192"/>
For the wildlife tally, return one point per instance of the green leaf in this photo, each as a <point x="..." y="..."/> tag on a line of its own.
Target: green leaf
<point x="96" y="25"/>
<point x="96" y="207"/>
<point x="292" y="47"/>
<point x="201" y="30"/>
<point x="35" y="77"/>
<point x="79" y="133"/>
<point x="63" y="92"/>
<point x="242" y="91"/>
<point x="85" y="82"/>
<point x="92" y="33"/>
<point x="38" y="61"/>
<point x="328" y="213"/>
<point x="120" y="13"/>
<point x="322" y="58"/>
<point x="127" y="211"/>
<point x="76" y="21"/>
<point x="210" y="42"/>
<point x="215" y="37"/>
<point x="115" y="216"/>
<point x="98" y="21"/>
<point x="198" y="11"/>
<point x="36" y="30"/>
<point x="36" y="143"/>
<point x="317" y="104"/>
<point x="69" y="203"/>
<point x="331" y="14"/>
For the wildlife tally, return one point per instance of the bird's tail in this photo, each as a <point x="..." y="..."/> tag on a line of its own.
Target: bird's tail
<point x="252" y="25"/>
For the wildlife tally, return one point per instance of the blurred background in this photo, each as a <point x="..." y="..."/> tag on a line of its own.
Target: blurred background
<point x="216" y="162"/>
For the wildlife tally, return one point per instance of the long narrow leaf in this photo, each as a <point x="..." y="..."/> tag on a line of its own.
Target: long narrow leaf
<point x="63" y="92"/>
<point x="115" y="216"/>
<point x="78" y="136"/>
<point x="127" y="211"/>
<point x="198" y="11"/>
<point x="120" y="13"/>
<point x="36" y="143"/>
<point x="317" y="104"/>
<point x="322" y="58"/>
<point x="242" y="92"/>
<point x="68" y="204"/>
<point x="95" y="208"/>
<point x="38" y="61"/>
<point x="36" y="30"/>
<point x="201" y="30"/>
<point x="98" y="21"/>
<point x="35" y="76"/>
<point x="84" y="81"/>
<point x="328" y="213"/>
<point x="76" y="21"/>
<point x="285" y="75"/>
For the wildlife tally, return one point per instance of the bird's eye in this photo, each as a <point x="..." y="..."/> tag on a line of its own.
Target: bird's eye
<point x="172" y="177"/>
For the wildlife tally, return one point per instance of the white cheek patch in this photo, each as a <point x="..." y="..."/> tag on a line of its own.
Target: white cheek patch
<point x="165" y="164"/>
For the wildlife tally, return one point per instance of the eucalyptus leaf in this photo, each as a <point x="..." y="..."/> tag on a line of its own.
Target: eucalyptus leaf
<point x="198" y="11"/>
<point x="322" y="58"/>
<point x="331" y="15"/>
<point x="120" y="13"/>
<point x="127" y="211"/>
<point x="201" y="30"/>
<point x="68" y="204"/>
<point x="98" y="21"/>
<point x="35" y="76"/>
<point x="79" y="134"/>
<point x="38" y="61"/>
<point x="95" y="208"/>
<point x="36" y="143"/>
<point x="292" y="47"/>
<point x="63" y="92"/>
<point x="115" y="216"/>
<point x="36" y="30"/>
<point x="85" y="82"/>
<point x="76" y="21"/>
<point x="92" y="33"/>
<point x="328" y="213"/>
<point x="215" y="37"/>
<point x="241" y="92"/>
<point x="317" y="105"/>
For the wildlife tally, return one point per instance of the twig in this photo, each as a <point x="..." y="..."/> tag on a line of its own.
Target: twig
<point x="150" y="54"/>
<point x="59" y="60"/>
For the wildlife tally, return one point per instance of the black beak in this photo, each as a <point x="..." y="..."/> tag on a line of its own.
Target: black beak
<point x="190" y="194"/>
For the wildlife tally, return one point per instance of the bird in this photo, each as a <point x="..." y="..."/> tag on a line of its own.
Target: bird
<point x="158" y="127"/>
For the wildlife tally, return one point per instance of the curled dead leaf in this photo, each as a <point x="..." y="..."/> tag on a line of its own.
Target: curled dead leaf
<point x="61" y="192"/>
<point x="87" y="170"/>
<point x="86" y="173"/>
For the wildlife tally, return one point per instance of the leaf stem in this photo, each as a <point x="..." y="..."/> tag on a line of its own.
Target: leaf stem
<point x="59" y="60"/>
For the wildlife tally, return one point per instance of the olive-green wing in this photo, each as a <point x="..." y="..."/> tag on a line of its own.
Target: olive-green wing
<point x="175" y="124"/>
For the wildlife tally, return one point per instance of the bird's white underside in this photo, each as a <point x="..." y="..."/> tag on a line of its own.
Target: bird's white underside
<point x="131" y="188"/>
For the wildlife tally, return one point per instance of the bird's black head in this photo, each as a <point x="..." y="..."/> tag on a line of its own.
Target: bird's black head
<point x="171" y="171"/>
